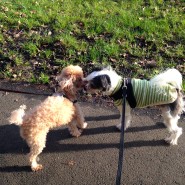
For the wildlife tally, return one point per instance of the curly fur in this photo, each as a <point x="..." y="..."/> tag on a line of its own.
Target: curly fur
<point x="53" y="112"/>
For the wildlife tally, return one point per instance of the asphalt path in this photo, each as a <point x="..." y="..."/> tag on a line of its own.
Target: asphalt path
<point x="92" y="158"/>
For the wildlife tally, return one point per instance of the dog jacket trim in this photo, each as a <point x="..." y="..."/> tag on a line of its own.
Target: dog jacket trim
<point x="117" y="94"/>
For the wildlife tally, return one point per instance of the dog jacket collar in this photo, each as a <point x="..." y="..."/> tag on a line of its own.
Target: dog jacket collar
<point x="62" y="94"/>
<point x="117" y="94"/>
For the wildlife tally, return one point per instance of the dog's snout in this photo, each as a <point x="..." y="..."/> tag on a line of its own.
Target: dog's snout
<point x="85" y="81"/>
<point x="85" y="84"/>
<point x="85" y="87"/>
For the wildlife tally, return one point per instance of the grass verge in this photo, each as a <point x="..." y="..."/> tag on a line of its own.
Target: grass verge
<point x="138" y="38"/>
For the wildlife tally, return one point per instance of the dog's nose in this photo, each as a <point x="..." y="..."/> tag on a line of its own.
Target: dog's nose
<point x="85" y="87"/>
<point x="85" y="84"/>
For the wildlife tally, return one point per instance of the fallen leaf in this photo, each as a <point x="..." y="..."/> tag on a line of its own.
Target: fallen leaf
<point x="71" y="163"/>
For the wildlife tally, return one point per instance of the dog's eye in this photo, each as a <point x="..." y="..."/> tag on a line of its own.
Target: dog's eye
<point x="79" y="79"/>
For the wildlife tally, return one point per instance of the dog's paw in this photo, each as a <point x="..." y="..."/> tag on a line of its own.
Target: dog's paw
<point x="76" y="133"/>
<point x="171" y="141"/>
<point x="37" y="167"/>
<point x="119" y="127"/>
<point x="84" y="125"/>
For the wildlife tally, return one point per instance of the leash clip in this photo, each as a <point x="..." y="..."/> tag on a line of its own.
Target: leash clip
<point x="124" y="88"/>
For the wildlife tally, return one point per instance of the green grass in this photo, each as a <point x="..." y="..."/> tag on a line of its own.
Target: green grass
<point x="39" y="38"/>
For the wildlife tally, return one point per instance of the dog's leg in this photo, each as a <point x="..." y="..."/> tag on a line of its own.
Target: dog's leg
<point x="127" y="116"/>
<point x="175" y="131"/>
<point x="165" y="114"/>
<point x="80" y="118"/>
<point x="73" y="129"/>
<point x="37" y="144"/>
<point x="171" y="124"/>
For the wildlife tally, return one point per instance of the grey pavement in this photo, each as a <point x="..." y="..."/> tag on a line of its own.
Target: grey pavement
<point x="92" y="158"/>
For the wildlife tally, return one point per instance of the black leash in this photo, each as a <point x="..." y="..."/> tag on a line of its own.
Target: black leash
<point x="32" y="93"/>
<point x="121" y="149"/>
<point x="24" y="92"/>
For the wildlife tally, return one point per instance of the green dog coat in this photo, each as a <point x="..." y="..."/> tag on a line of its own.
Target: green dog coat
<point x="143" y="93"/>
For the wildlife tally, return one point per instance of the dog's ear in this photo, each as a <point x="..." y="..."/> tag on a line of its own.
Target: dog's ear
<point x="66" y="85"/>
<point x="102" y="81"/>
<point x="106" y="83"/>
<point x="64" y="80"/>
<point x="63" y="76"/>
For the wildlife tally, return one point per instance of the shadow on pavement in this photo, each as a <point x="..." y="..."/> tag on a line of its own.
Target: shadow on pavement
<point x="11" y="142"/>
<point x="102" y="118"/>
<point x="11" y="169"/>
<point x="59" y="141"/>
<point x="145" y="128"/>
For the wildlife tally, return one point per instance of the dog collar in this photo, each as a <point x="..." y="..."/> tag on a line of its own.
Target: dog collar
<point x="63" y="94"/>
<point x="117" y="94"/>
<point x="74" y="101"/>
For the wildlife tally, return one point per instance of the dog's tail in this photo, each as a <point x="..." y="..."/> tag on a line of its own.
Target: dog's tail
<point x="171" y="76"/>
<point x="17" y="115"/>
<point x="178" y="107"/>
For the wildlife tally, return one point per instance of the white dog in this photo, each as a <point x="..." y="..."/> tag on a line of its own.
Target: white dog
<point x="164" y="91"/>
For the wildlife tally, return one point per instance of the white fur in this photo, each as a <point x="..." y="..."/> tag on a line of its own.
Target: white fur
<point x="171" y="76"/>
<point x="114" y="77"/>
